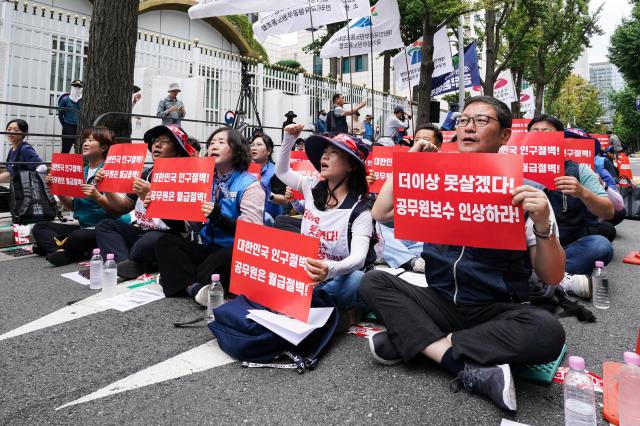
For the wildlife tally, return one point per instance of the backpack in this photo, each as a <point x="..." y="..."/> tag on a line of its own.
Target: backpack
<point x="554" y="299"/>
<point x="360" y="207"/>
<point x="62" y="112"/>
<point x="255" y="345"/>
<point x="30" y="200"/>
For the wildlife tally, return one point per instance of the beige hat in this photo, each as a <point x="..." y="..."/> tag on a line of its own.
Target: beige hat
<point x="174" y="87"/>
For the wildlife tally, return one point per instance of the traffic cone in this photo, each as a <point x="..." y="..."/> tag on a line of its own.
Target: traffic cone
<point x="624" y="169"/>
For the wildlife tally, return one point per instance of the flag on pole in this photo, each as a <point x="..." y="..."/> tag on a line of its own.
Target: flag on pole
<point x="449" y="82"/>
<point x="380" y="29"/>
<point x="321" y="12"/>
<point x="412" y="55"/>
<point x="527" y="102"/>
<point x="210" y="8"/>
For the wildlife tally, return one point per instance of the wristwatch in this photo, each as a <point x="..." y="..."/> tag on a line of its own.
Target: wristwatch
<point x="547" y="236"/>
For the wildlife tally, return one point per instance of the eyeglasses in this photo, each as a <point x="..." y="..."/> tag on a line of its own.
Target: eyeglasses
<point x="478" y="120"/>
<point x="162" y="141"/>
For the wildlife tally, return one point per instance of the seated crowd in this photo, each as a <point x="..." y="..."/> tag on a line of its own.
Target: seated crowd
<point x="472" y="319"/>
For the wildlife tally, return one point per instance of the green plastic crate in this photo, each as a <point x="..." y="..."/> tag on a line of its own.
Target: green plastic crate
<point x="541" y="372"/>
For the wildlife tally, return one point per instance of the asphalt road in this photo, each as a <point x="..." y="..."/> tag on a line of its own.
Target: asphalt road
<point x="45" y="369"/>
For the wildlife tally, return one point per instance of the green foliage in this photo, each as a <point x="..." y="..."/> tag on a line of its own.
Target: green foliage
<point x="626" y="121"/>
<point x="241" y="22"/>
<point x="577" y="104"/>
<point x="290" y="63"/>
<point x="625" y="47"/>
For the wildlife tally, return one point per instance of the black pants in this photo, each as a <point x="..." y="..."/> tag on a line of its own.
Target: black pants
<point x="495" y="333"/>
<point x="127" y="242"/>
<point x="183" y="263"/>
<point x="69" y="134"/>
<point x="79" y="242"/>
<point x="606" y="229"/>
<point x="288" y="223"/>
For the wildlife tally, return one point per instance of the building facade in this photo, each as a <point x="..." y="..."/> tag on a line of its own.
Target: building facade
<point x="607" y="79"/>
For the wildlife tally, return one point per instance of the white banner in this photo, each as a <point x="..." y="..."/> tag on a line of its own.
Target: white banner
<point x="298" y="18"/>
<point x="504" y="89"/>
<point x="209" y="8"/>
<point x="380" y="30"/>
<point x="527" y="102"/>
<point x="412" y="55"/>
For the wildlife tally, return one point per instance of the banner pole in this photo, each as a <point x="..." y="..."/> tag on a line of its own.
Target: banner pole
<point x="373" y="95"/>
<point x="346" y="9"/>
<point x="461" y="82"/>
<point x="313" y="65"/>
<point x="406" y="61"/>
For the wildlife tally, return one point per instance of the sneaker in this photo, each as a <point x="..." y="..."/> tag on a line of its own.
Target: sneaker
<point x="59" y="258"/>
<point x="418" y="264"/>
<point x="577" y="285"/>
<point x="383" y="350"/>
<point x="130" y="269"/>
<point x="203" y="295"/>
<point x="492" y="381"/>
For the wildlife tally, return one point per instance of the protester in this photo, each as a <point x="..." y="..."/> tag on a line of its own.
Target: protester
<point x="320" y="124"/>
<point x="610" y="162"/>
<point x="395" y="127"/>
<point x="171" y="109"/>
<point x="577" y="193"/>
<point x="195" y="145"/>
<point x="330" y="205"/>
<point x="467" y="320"/>
<point x="186" y="266"/>
<point x="367" y="128"/>
<point x="261" y="153"/>
<point x="132" y="245"/>
<point x="404" y="253"/>
<point x="20" y="152"/>
<point x="290" y="115"/>
<point x="615" y="143"/>
<point x="69" y="117"/>
<point x="337" y="116"/>
<point x="63" y="243"/>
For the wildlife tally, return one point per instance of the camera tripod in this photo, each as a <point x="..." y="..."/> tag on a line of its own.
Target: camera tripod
<point x="245" y="99"/>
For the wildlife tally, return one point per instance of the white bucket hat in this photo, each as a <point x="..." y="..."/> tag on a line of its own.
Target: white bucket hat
<point x="174" y="86"/>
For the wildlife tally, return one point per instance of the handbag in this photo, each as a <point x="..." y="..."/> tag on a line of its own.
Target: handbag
<point x="631" y="196"/>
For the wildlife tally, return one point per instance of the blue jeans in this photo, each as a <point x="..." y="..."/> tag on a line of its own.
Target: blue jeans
<point x="583" y="254"/>
<point x="398" y="252"/>
<point x="343" y="289"/>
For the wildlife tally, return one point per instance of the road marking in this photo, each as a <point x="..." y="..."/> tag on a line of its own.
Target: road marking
<point x="201" y="358"/>
<point x="82" y="308"/>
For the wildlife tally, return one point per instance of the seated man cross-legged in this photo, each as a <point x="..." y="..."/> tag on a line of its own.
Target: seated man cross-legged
<point x="470" y="319"/>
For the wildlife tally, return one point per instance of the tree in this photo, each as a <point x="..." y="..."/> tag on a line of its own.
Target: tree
<point x="110" y="64"/>
<point x="564" y="30"/>
<point x="290" y="63"/>
<point x="626" y="121"/>
<point x="577" y="104"/>
<point x="424" y="18"/>
<point x="625" y="45"/>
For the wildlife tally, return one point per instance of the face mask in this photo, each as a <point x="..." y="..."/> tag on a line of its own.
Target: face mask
<point x="76" y="93"/>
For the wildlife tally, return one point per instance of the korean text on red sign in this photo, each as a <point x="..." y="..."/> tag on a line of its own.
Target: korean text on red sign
<point x="458" y="199"/>
<point x="67" y="175"/>
<point x="581" y="151"/>
<point x="124" y="163"/>
<point x="179" y="187"/>
<point x="543" y="154"/>
<point x="603" y="139"/>
<point x="382" y="164"/>
<point x="520" y="125"/>
<point x="255" y="170"/>
<point x="304" y="168"/>
<point x="268" y="268"/>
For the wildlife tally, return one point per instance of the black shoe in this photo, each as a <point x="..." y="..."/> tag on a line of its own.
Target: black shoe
<point x="493" y="381"/>
<point x="130" y="270"/>
<point x="383" y="350"/>
<point x="59" y="258"/>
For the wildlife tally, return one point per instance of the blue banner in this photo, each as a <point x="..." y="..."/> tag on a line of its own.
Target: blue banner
<point x="449" y="82"/>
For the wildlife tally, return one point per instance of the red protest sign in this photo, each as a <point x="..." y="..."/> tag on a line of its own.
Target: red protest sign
<point x="268" y="267"/>
<point x="603" y="139"/>
<point x="382" y="164"/>
<point x="297" y="156"/>
<point x="255" y="170"/>
<point x="124" y="163"/>
<point x="179" y="187"/>
<point x="581" y="151"/>
<point x="468" y="207"/>
<point x="447" y="135"/>
<point x="67" y="174"/>
<point x="519" y="125"/>
<point x="449" y="147"/>
<point x="543" y="155"/>
<point x="304" y="168"/>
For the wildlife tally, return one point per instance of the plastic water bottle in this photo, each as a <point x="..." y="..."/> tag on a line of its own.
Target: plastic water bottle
<point x="215" y="297"/>
<point x="600" y="281"/>
<point x="109" y="275"/>
<point x="579" y="398"/>
<point x="629" y="390"/>
<point x="95" y="270"/>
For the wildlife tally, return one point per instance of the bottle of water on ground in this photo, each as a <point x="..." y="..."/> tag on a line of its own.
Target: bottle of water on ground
<point x="215" y="297"/>
<point x="109" y="275"/>
<point x="95" y="270"/>
<point x="600" y="282"/>
<point x="579" y="398"/>
<point x="629" y="390"/>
